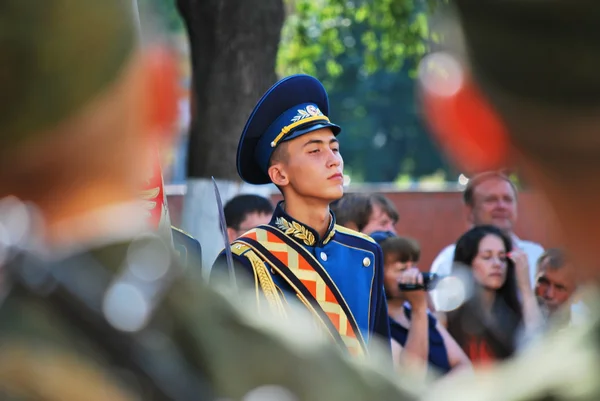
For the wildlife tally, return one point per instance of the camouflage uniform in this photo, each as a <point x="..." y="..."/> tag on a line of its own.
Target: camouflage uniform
<point x="98" y="326"/>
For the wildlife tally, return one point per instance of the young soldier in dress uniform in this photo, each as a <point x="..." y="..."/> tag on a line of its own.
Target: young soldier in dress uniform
<point x="531" y="97"/>
<point x="336" y="272"/>
<point x="93" y="306"/>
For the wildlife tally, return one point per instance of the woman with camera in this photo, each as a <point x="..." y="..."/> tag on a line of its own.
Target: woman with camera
<point x="418" y="340"/>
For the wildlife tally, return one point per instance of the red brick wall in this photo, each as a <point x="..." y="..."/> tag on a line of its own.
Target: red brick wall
<point x="436" y="219"/>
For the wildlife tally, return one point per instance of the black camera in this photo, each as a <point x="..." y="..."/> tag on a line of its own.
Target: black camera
<point x="430" y="280"/>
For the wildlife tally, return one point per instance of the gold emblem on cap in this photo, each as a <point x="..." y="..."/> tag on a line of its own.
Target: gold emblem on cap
<point x="290" y="127"/>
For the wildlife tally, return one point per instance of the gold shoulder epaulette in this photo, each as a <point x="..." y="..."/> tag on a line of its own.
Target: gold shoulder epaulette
<point x="183" y="232"/>
<point x="239" y="249"/>
<point x="348" y="231"/>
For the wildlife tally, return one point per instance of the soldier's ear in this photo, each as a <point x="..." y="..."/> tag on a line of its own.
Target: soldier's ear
<point x="278" y="174"/>
<point x="461" y="119"/>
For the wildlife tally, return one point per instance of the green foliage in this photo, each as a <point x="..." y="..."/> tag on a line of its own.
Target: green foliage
<point x="383" y="137"/>
<point x="365" y="53"/>
<point x="395" y="31"/>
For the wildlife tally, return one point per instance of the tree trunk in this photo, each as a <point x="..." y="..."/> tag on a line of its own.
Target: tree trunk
<point x="233" y="46"/>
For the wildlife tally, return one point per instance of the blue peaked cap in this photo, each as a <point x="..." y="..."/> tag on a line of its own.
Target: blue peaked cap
<point x="294" y="106"/>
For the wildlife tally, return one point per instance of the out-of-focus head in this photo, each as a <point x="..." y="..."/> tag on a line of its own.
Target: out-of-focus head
<point x="383" y="216"/>
<point x="352" y="211"/>
<point x="555" y="281"/>
<point x="366" y="213"/>
<point x="491" y="199"/>
<point x="78" y="99"/>
<point x="485" y="249"/>
<point x="245" y="212"/>
<point x="538" y="113"/>
<point x="399" y="254"/>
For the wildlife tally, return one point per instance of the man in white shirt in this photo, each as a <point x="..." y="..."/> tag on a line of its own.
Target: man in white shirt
<point x="490" y="198"/>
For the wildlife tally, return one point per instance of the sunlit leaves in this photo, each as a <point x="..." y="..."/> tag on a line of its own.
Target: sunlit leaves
<point x="316" y="31"/>
<point x="392" y="32"/>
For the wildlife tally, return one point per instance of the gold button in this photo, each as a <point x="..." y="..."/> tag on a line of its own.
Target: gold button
<point x="324" y="256"/>
<point x="366" y="262"/>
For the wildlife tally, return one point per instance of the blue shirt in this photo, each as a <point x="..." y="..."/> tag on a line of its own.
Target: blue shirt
<point x="438" y="355"/>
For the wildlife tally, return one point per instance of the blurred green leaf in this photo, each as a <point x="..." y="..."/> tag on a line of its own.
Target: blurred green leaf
<point x="393" y="32"/>
<point x="366" y="52"/>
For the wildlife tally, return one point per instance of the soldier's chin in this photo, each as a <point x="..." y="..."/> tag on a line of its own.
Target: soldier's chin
<point x="334" y="193"/>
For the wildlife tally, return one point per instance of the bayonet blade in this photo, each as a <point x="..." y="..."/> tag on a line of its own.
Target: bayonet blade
<point x="223" y="224"/>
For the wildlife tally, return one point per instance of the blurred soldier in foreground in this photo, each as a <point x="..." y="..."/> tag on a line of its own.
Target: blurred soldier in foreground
<point x="529" y="95"/>
<point x="93" y="308"/>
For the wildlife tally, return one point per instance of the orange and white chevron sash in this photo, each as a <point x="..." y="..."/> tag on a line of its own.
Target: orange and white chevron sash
<point x="306" y="276"/>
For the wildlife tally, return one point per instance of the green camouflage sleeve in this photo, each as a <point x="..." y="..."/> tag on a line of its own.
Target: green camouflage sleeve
<point x="199" y="342"/>
<point x="248" y="351"/>
<point x="45" y="358"/>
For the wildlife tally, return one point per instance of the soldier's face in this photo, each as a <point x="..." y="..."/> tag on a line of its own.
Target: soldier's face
<point x="314" y="167"/>
<point x="489" y="266"/>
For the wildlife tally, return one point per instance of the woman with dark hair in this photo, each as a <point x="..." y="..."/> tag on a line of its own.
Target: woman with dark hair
<point x="487" y="325"/>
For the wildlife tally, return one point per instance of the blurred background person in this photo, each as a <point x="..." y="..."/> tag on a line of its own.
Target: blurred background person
<point x="383" y="215"/>
<point x="490" y="198"/>
<point x="245" y="212"/>
<point x="418" y="339"/>
<point x="352" y="211"/>
<point x="366" y="213"/>
<point x="487" y="326"/>
<point x="555" y="286"/>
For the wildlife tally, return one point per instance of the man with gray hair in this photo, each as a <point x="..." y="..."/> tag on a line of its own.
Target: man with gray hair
<point x="556" y="285"/>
